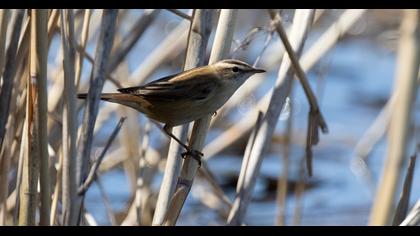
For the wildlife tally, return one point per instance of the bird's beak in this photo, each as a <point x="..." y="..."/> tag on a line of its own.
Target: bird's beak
<point x="258" y="70"/>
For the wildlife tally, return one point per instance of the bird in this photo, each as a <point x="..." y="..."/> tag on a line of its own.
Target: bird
<point x="186" y="96"/>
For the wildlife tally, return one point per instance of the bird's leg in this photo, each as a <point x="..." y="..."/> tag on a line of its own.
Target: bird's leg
<point x="167" y="130"/>
<point x="190" y="152"/>
<point x="194" y="154"/>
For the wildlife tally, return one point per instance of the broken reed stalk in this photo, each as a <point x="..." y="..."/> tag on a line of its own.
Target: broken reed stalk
<point x="199" y="33"/>
<point x="102" y="56"/>
<point x="315" y="118"/>
<point x="69" y="129"/>
<point x="399" y="130"/>
<point x="327" y="40"/>
<point x="301" y="24"/>
<point x="38" y="72"/>
<point x="220" y="49"/>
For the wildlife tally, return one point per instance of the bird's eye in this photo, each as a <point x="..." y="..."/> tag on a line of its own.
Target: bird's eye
<point x="235" y="69"/>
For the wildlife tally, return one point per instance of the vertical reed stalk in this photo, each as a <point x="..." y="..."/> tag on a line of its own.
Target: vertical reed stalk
<point x="30" y="174"/>
<point x="4" y="15"/>
<point x="103" y="50"/>
<point x="69" y="184"/>
<point x="38" y="71"/>
<point x="199" y="33"/>
<point x="220" y="49"/>
<point x="399" y="130"/>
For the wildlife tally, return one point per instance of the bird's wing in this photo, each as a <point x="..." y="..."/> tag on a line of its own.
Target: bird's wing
<point x="136" y="89"/>
<point x="166" y="89"/>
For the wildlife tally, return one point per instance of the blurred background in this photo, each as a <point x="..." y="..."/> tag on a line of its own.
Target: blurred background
<point x="353" y="80"/>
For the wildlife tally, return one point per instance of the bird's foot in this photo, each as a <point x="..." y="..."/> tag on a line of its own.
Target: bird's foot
<point x="194" y="154"/>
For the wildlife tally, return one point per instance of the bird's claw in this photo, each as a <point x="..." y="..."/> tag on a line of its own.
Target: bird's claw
<point x="194" y="154"/>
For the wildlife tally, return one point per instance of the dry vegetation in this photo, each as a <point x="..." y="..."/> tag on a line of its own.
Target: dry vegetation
<point x="47" y="136"/>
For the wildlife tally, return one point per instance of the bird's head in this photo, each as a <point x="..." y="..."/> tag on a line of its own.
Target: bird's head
<point x="235" y="71"/>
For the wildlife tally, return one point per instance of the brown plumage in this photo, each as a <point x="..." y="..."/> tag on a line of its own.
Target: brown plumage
<point x="190" y="95"/>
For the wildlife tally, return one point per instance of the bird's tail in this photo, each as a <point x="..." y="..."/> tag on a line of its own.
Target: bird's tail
<point x="104" y="96"/>
<point x="120" y="98"/>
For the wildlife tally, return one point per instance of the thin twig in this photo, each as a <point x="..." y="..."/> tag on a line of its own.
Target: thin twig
<point x="93" y="170"/>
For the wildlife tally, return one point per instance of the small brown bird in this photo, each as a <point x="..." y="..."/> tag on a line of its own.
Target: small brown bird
<point x="190" y="95"/>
